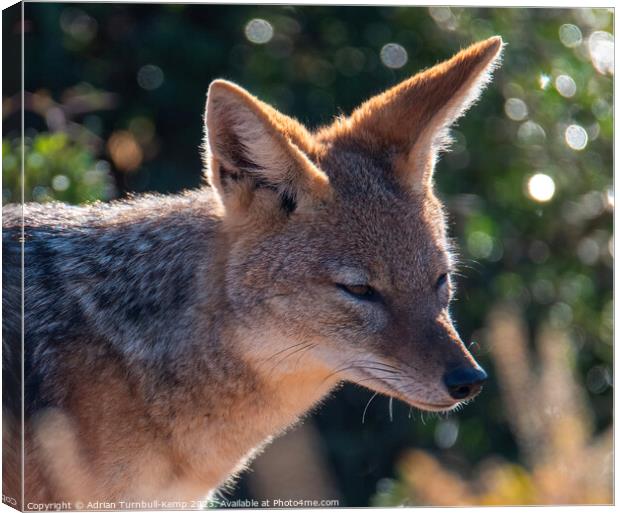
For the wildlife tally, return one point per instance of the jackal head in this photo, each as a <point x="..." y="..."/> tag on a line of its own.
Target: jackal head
<point x="338" y="254"/>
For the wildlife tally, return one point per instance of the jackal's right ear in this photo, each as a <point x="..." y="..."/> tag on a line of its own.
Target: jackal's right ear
<point x="255" y="151"/>
<point x="411" y="120"/>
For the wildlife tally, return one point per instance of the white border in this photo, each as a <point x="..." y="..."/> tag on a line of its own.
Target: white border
<point x="564" y="4"/>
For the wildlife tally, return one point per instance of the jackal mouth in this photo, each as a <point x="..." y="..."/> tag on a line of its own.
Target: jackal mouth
<point x="390" y="390"/>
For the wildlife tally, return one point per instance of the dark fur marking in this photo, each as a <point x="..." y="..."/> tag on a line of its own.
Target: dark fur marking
<point x="228" y="175"/>
<point x="238" y="153"/>
<point x="11" y="372"/>
<point x="134" y="313"/>
<point x="288" y="203"/>
<point x="40" y="252"/>
<point x="34" y="399"/>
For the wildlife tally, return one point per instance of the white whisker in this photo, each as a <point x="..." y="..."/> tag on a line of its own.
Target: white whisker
<point x="367" y="405"/>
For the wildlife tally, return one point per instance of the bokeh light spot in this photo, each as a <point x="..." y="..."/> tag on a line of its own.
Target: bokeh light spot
<point x="440" y="14"/>
<point x="592" y="204"/>
<point x="480" y="244"/>
<point x="394" y="55"/>
<point x="78" y="25"/>
<point x="60" y="183"/>
<point x="541" y="187"/>
<point x="570" y="35"/>
<point x="444" y="17"/>
<point x="259" y="31"/>
<point x="125" y="151"/>
<point x="609" y="198"/>
<point x="515" y="109"/>
<point x="593" y="130"/>
<point x="594" y="18"/>
<point x="601" y="109"/>
<point x="93" y="177"/>
<point x="150" y="77"/>
<point x="566" y="86"/>
<point x="531" y="133"/>
<point x="544" y="81"/>
<point x="598" y="379"/>
<point x="588" y="251"/>
<point x="543" y="291"/>
<point x="35" y="161"/>
<point x="576" y="137"/>
<point x="40" y="194"/>
<point x="561" y="315"/>
<point x="601" y="48"/>
<point x="446" y="433"/>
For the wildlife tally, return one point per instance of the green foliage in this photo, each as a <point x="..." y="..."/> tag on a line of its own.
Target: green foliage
<point x="542" y="245"/>
<point x="55" y="168"/>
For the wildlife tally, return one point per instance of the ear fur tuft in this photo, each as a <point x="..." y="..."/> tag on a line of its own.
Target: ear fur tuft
<point x="413" y="117"/>
<point x="252" y="146"/>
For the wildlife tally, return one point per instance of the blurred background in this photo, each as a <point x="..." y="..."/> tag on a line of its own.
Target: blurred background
<point x="113" y="105"/>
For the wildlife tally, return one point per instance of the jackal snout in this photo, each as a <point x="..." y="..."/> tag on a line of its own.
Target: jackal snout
<point x="442" y="359"/>
<point x="463" y="376"/>
<point x="464" y="382"/>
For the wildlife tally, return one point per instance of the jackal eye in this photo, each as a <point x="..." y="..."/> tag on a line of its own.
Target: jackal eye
<point x="441" y="281"/>
<point x="365" y="292"/>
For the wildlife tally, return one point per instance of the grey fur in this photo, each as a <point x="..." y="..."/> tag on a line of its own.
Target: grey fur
<point x="126" y="277"/>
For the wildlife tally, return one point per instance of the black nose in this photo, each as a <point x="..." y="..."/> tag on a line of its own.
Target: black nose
<point x="464" y="382"/>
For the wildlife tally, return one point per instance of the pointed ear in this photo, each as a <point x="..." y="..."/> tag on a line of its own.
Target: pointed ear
<point x="413" y="117"/>
<point x="256" y="152"/>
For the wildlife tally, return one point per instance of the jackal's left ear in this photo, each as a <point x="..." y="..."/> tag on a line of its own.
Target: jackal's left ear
<point x="257" y="153"/>
<point x="413" y="117"/>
